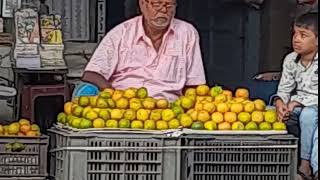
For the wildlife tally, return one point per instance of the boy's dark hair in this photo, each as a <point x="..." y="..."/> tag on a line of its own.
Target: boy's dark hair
<point x="308" y="21"/>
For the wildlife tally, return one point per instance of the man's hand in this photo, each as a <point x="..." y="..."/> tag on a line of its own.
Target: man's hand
<point x="292" y="105"/>
<point x="282" y="110"/>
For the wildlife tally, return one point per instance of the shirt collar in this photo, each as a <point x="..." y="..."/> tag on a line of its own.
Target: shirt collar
<point x="141" y="32"/>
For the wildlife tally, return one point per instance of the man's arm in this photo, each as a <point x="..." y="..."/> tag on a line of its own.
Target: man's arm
<point x="96" y="79"/>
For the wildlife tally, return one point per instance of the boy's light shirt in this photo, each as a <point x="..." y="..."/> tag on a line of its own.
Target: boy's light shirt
<point x="302" y="79"/>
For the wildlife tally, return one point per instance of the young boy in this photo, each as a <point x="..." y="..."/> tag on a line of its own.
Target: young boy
<point x="298" y="90"/>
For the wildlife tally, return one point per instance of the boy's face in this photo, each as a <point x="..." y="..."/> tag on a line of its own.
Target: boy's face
<point x="304" y="41"/>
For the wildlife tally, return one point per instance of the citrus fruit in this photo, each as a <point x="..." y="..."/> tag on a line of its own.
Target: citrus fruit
<point x="203" y="116"/>
<point x="270" y="116"/>
<point x="102" y="103"/>
<point x="91" y="115"/>
<point x="149" y="125"/>
<point x="13" y="128"/>
<point x="236" y="108"/>
<point x="210" y="125"/>
<point x="174" y="124"/>
<point x="162" y="104"/>
<point x="177" y="110"/>
<point x="93" y="101"/>
<point x="130" y="114"/>
<point x="197" y="126"/>
<point x="1" y="129"/>
<point x="209" y="107"/>
<point x="224" y="126"/>
<point x="249" y="107"/>
<point x="230" y="117"/>
<point x="85" y="124"/>
<point x="98" y="123"/>
<point x="251" y="126"/>
<point x="202" y="90"/>
<point x="186" y="120"/>
<point x="238" y="126"/>
<point x="222" y="107"/>
<point x="25" y="128"/>
<point x="217" y="117"/>
<point x="190" y="92"/>
<point x="142" y="93"/>
<point x="111" y="103"/>
<point x="68" y="108"/>
<point x="62" y="118"/>
<point x="221" y="98"/>
<point x="84" y="101"/>
<point x="167" y="115"/>
<point x="156" y="114"/>
<point x="265" y="126"/>
<point x="161" y="125"/>
<point x="124" y="123"/>
<point x="242" y="92"/>
<point x="109" y="90"/>
<point x="244" y="117"/>
<point x="27" y="122"/>
<point x="104" y="114"/>
<point x="77" y="111"/>
<point x="142" y="115"/>
<point x="149" y="103"/>
<point x="135" y="104"/>
<point x="137" y="125"/>
<point x="257" y="116"/>
<point x="260" y="105"/>
<point x="279" y="126"/>
<point x="215" y="91"/>
<point x="117" y="94"/>
<point x="105" y="95"/>
<point x="186" y="102"/>
<point x="76" y="123"/>
<point x="116" y="114"/>
<point x="86" y="110"/>
<point x="112" y="124"/>
<point x="122" y="103"/>
<point x="130" y="93"/>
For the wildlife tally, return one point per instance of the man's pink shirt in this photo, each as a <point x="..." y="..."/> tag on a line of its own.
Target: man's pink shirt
<point x="126" y="58"/>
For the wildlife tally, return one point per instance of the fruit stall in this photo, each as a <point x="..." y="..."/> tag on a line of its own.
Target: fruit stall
<point x="208" y="133"/>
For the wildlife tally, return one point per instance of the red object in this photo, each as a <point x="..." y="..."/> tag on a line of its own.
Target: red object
<point x="31" y="92"/>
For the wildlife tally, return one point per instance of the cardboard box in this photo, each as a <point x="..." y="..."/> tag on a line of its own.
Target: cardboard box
<point x="26" y="49"/>
<point x="27" y="27"/>
<point x="28" y="61"/>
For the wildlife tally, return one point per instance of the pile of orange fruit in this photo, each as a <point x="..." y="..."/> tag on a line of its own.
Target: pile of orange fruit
<point x="200" y="108"/>
<point x="21" y="128"/>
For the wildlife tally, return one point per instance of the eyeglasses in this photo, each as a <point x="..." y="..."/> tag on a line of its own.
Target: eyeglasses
<point x="159" y="5"/>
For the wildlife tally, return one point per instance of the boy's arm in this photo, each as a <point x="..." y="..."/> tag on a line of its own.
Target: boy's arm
<point x="287" y="82"/>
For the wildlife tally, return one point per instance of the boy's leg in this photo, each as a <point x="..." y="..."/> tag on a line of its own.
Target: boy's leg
<point x="308" y="124"/>
<point x="314" y="154"/>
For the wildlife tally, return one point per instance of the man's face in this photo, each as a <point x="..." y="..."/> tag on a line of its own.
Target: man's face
<point x="158" y="13"/>
<point x="304" y="41"/>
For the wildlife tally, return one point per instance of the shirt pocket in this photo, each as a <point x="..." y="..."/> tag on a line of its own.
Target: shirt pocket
<point x="170" y="69"/>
